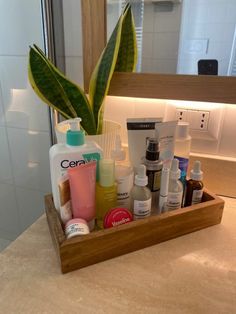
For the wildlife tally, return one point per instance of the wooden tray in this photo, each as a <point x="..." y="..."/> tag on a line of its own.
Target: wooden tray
<point x="101" y="245"/>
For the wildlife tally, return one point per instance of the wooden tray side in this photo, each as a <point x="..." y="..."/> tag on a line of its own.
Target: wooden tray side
<point x="105" y="244"/>
<point x="55" y="228"/>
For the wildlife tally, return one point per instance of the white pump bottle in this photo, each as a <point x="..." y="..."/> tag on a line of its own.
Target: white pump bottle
<point x="74" y="153"/>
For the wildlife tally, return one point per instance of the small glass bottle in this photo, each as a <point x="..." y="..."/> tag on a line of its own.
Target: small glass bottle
<point x="175" y="189"/>
<point x="124" y="175"/>
<point x="106" y="190"/>
<point x="194" y="185"/>
<point x="154" y="166"/>
<point x="141" y="196"/>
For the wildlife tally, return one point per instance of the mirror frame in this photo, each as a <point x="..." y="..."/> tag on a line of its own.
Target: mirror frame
<point x="221" y="89"/>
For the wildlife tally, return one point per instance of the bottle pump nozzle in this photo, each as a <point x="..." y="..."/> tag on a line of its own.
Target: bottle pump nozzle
<point x="75" y="124"/>
<point x="75" y="136"/>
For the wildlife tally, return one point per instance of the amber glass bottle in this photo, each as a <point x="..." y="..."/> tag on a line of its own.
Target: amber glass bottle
<point x="194" y="185"/>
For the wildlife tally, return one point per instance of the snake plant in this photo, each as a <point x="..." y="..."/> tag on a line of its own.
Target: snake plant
<point x="56" y="90"/>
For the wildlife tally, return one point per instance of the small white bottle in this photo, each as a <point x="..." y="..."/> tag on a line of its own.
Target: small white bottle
<point x="182" y="148"/>
<point x="165" y="173"/>
<point x="74" y="153"/>
<point x="141" y="196"/>
<point x="175" y="189"/>
<point x="124" y="175"/>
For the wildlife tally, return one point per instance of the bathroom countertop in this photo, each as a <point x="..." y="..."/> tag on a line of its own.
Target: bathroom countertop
<point x="195" y="273"/>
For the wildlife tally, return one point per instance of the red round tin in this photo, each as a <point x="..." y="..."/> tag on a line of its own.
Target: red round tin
<point x="117" y="216"/>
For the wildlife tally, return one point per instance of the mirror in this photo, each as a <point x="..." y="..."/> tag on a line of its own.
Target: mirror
<point x="182" y="36"/>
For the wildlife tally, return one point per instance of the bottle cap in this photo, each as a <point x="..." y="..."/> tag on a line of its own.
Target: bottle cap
<point x="118" y="153"/>
<point x="106" y="172"/>
<point x="75" y="136"/>
<point x="117" y="216"/>
<point x="141" y="179"/>
<point x="175" y="172"/>
<point x="182" y="130"/>
<point x="196" y="173"/>
<point x="152" y="150"/>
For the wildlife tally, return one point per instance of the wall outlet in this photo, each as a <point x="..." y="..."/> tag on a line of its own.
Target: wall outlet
<point x="203" y="124"/>
<point x="198" y="119"/>
<point x="181" y="114"/>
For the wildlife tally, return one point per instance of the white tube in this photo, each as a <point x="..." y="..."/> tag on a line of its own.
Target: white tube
<point x="164" y="189"/>
<point x="165" y="133"/>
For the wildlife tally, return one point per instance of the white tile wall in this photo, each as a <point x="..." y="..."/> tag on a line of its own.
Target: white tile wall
<point x="160" y="39"/>
<point x="6" y="173"/>
<point x="30" y="205"/>
<point x="9" y="217"/>
<point x="30" y="160"/>
<point x="227" y="145"/>
<point x="4" y="243"/>
<point x="24" y="124"/>
<point x="120" y="108"/>
<point x="211" y="20"/>
<point x="74" y="69"/>
<point x="72" y="28"/>
<point x="20" y="26"/>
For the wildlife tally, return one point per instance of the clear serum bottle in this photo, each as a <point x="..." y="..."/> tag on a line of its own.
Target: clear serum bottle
<point x="194" y="185"/>
<point x="106" y="190"/>
<point x="154" y="166"/>
<point x="175" y="189"/>
<point x="141" y="196"/>
<point x="124" y="175"/>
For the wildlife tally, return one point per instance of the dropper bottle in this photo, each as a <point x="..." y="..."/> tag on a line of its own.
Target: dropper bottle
<point x="141" y="196"/>
<point x="175" y="190"/>
<point x="124" y="174"/>
<point x="194" y="185"/>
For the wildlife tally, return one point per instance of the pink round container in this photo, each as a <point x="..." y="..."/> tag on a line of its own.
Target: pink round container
<point x="117" y="216"/>
<point x="75" y="227"/>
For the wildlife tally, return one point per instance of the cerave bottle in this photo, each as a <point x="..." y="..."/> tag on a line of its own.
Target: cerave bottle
<point x="72" y="154"/>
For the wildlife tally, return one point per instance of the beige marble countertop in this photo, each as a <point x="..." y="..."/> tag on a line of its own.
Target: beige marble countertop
<point x="195" y="273"/>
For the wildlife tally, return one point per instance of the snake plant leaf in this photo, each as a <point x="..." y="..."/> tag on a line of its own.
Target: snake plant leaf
<point x="78" y="100"/>
<point x="46" y="86"/>
<point x="102" y="74"/>
<point x="127" y="57"/>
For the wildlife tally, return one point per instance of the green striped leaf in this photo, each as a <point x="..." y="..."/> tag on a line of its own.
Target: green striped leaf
<point x="77" y="98"/>
<point x="102" y="74"/>
<point x="127" y="57"/>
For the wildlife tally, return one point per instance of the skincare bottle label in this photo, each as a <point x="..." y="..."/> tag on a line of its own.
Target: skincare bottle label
<point x="197" y="196"/>
<point x="154" y="180"/>
<point x="142" y="209"/>
<point x="124" y="186"/>
<point x="174" y="200"/>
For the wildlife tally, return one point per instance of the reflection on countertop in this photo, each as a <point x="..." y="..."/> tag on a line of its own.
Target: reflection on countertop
<point x="195" y="273"/>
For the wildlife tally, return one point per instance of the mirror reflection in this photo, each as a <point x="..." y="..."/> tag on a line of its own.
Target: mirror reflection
<point x="182" y="36"/>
